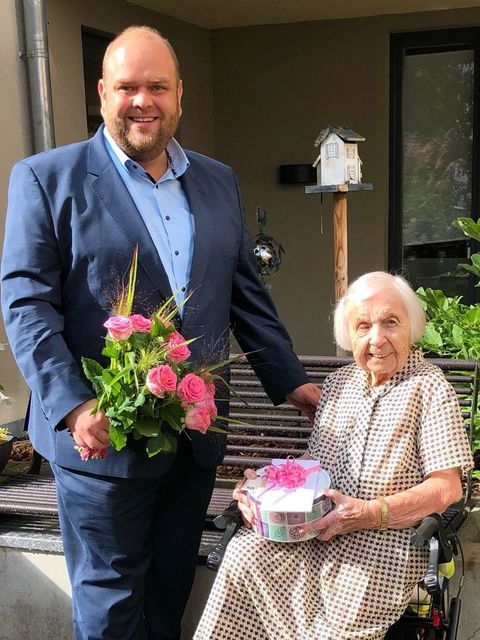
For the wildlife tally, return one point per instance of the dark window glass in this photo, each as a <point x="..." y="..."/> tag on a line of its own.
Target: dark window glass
<point x="433" y="156"/>
<point x="93" y="48"/>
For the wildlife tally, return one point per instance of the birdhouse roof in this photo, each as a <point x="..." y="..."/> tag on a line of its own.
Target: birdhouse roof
<point x="342" y="132"/>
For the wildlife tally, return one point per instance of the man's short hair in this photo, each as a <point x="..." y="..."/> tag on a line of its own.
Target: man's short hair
<point x="149" y="31"/>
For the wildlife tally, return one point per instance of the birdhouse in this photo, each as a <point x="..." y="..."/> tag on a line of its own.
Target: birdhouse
<point x="338" y="161"/>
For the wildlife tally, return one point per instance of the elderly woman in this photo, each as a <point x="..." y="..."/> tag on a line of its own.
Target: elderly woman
<point x="388" y="430"/>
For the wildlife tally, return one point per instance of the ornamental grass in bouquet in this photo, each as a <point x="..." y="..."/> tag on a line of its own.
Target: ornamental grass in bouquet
<point x="150" y="389"/>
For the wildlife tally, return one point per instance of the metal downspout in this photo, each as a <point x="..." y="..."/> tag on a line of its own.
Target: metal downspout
<point x="36" y="56"/>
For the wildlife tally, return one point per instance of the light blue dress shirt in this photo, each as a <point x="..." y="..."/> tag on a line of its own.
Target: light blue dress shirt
<point x="164" y="209"/>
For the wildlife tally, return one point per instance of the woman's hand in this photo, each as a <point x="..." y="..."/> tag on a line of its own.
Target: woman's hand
<point x="243" y="503"/>
<point x="347" y="516"/>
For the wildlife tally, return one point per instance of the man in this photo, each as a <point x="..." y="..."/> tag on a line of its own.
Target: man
<point x="131" y="526"/>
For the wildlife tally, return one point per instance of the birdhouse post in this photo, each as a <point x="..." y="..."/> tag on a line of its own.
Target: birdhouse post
<point x="340" y="243"/>
<point x="339" y="171"/>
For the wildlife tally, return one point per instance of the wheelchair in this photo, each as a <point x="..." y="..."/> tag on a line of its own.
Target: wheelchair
<point x="434" y="611"/>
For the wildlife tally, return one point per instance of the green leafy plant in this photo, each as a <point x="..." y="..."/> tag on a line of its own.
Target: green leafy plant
<point x="453" y="328"/>
<point x="452" y="331"/>
<point x="472" y="230"/>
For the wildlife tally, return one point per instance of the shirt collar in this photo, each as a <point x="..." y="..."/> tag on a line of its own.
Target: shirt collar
<point x="177" y="160"/>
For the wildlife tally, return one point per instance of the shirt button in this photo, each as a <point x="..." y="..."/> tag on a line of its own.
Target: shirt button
<point x="176" y="253"/>
<point x="167" y="217"/>
<point x="183" y="288"/>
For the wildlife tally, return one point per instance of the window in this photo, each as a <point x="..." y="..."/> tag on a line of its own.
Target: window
<point x="332" y="150"/>
<point x="93" y="48"/>
<point x="350" y="149"/>
<point x="434" y="150"/>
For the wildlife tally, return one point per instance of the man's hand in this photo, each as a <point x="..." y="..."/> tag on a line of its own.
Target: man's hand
<point x="305" y="397"/>
<point x="88" y="430"/>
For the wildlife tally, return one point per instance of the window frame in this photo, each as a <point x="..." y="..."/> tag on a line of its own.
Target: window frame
<point x="420" y="42"/>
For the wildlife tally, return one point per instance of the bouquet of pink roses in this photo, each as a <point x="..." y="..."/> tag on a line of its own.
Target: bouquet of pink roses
<point x="149" y="389"/>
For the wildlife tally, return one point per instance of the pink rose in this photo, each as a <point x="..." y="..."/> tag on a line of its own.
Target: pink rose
<point x="119" y="327"/>
<point x="178" y="350"/>
<point x="210" y="389"/>
<point x="161" y="380"/>
<point x="198" y="419"/>
<point x="140" y="323"/>
<point x="191" y="388"/>
<point x="87" y="454"/>
<point x="209" y="405"/>
<point x="209" y="399"/>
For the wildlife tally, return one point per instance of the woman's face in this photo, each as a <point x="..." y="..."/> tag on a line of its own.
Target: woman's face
<point x="380" y="334"/>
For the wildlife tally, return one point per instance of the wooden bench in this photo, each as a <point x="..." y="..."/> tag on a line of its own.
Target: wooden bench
<point x="272" y="432"/>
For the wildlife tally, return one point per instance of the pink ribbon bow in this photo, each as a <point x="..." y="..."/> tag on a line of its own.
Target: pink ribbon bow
<point x="288" y="475"/>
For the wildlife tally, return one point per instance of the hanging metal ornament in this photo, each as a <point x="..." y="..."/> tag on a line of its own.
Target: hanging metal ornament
<point x="268" y="252"/>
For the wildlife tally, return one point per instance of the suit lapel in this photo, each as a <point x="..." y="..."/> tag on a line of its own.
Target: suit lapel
<point x="197" y="197"/>
<point x="115" y="198"/>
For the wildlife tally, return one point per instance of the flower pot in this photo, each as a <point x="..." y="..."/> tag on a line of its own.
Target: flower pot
<point x="5" y="450"/>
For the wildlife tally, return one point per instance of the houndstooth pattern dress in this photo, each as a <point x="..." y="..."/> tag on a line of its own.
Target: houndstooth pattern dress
<point x="372" y="441"/>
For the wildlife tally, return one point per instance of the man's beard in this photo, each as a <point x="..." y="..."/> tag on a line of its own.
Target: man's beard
<point x="138" y="147"/>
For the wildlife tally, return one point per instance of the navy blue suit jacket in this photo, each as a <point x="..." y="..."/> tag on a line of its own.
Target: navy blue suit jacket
<point x="71" y="230"/>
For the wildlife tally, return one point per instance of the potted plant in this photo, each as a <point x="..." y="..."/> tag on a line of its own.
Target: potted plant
<point x="6" y="442"/>
<point x="6" y="439"/>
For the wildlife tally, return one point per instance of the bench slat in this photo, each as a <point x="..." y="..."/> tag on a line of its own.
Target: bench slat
<point x="33" y="495"/>
<point x="238" y="440"/>
<point x="266" y="417"/>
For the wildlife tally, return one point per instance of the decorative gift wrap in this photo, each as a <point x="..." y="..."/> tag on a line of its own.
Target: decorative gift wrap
<point x="286" y="495"/>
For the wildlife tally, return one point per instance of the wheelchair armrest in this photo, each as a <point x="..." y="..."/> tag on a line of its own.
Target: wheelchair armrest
<point x="428" y="527"/>
<point x="431" y="532"/>
<point x="230" y="521"/>
<point x="231" y="513"/>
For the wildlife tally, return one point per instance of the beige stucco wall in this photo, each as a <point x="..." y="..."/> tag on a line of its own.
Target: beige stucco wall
<point x="15" y="145"/>
<point x="275" y="88"/>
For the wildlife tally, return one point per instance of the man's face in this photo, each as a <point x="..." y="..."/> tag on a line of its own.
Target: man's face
<point x="141" y="96"/>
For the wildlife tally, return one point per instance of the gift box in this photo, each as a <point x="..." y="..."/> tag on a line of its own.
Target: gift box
<point x="287" y="495"/>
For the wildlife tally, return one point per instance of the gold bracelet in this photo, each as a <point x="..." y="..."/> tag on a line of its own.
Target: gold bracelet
<point x="384" y="513"/>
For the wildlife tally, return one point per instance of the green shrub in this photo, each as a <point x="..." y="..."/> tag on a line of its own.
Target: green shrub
<point x="453" y="328"/>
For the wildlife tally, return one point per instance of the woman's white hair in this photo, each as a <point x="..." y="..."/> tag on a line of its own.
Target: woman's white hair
<point x="365" y="287"/>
